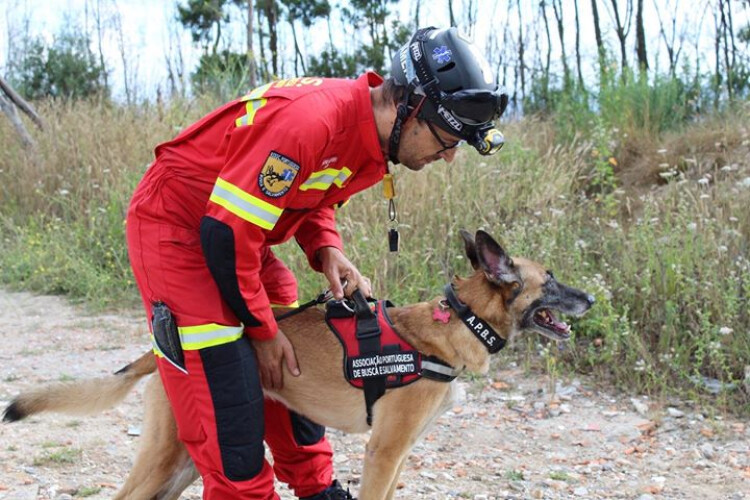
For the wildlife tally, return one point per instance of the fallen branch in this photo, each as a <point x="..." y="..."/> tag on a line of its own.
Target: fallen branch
<point x="10" y="111"/>
<point x="21" y="103"/>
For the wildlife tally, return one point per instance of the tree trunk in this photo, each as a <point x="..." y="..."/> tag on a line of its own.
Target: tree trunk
<point x="669" y="40"/>
<point x="732" y="45"/>
<point x="622" y="28"/>
<point x="261" y="43"/>
<point x="578" y="46"/>
<point x="99" y="35"/>
<point x="18" y="101"/>
<point x="215" y="47"/>
<point x="557" y="8"/>
<point x="250" y="52"/>
<point x="640" y="39"/>
<point x="10" y="111"/>
<point x="471" y="17"/>
<point x="126" y="77"/>
<point x="724" y="28"/>
<point x="273" y="36"/>
<point x="717" y="58"/>
<point x="451" y="17"/>
<point x="297" y="52"/>
<point x="599" y="41"/>
<point x="545" y="77"/>
<point x="521" y="52"/>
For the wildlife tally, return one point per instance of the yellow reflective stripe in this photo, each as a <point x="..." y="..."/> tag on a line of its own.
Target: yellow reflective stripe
<point x="209" y="335"/>
<point x="256" y="93"/>
<point x="251" y="108"/>
<point x="293" y="305"/>
<point x="254" y="103"/>
<point x="323" y="179"/>
<point x="245" y="205"/>
<point x="156" y="349"/>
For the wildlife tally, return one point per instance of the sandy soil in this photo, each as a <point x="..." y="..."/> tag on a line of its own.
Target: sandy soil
<point x="514" y="435"/>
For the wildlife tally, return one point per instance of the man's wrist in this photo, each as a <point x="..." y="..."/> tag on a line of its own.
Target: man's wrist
<point x="322" y="252"/>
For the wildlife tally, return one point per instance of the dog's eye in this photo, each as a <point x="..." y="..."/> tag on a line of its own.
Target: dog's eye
<point x="551" y="276"/>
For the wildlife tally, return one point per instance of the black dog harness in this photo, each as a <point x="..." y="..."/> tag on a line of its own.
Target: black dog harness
<point x="376" y="357"/>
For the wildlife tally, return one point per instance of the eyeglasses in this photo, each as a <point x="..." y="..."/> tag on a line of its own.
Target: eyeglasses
<point x="446" y="146"/>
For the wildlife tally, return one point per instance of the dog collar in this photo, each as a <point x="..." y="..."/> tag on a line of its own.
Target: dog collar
<point x="479" y="327"/>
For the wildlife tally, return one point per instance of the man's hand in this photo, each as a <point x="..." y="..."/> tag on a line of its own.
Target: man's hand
<point x="270" y="354"/>
<point x="336" y="268"/>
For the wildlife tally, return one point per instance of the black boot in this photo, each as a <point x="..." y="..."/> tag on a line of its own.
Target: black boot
<point x="333" y="492"/>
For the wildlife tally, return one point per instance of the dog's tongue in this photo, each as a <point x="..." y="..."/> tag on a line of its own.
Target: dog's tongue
<point x="557" y="324"/>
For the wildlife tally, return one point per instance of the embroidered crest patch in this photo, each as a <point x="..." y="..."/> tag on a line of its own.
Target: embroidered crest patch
<point x="277" y="175"/>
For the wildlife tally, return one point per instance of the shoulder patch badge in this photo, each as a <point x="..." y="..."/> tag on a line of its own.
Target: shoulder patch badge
<point x="277" y="175"/>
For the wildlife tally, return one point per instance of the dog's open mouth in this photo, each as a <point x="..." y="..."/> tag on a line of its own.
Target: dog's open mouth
<point x="547" y="324"/>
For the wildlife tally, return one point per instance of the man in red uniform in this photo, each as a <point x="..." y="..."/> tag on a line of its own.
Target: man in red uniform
<point x="262" y="169"/>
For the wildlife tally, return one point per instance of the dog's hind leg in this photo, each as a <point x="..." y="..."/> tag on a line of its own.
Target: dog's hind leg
<point x="162" y="468"/>
<point x="185" y="474"/>
<point x="400" y="417"/>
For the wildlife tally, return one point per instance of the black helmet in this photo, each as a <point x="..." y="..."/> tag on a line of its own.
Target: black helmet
<point x="460" y="93"/>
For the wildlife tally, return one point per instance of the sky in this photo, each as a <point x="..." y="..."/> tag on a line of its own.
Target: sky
<point x="147" y="39"/>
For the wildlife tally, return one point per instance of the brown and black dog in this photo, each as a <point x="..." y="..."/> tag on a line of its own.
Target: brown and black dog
<point x="511" y="295"/>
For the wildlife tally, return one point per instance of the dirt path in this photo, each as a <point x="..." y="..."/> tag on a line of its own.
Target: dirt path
<point x="510" y="437"/>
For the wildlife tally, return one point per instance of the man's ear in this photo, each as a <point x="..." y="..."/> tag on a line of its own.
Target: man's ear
<point x="470" y="247"/>
<point x="494" y="261"/>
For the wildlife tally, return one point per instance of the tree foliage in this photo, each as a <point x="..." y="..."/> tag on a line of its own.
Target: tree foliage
<point x="65" y="69"/>
<point x="204" y="19"/>
<point x="224" y="74"/>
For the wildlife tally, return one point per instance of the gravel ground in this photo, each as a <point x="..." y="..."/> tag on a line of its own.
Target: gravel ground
<point x="513" y="435"/>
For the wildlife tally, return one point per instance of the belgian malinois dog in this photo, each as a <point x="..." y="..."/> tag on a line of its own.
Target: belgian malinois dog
<point x="508" y="295"/>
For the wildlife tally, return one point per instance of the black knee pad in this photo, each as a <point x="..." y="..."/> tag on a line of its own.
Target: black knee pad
<point x="232" y="374"/>
<point x="306" y="432"/>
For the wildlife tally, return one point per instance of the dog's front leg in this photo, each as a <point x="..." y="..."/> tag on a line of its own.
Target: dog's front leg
<point x="400" y="417"/>
<point x="394" y="484"/>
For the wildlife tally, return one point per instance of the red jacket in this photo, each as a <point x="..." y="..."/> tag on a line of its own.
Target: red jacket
<point x="271" y="165"/>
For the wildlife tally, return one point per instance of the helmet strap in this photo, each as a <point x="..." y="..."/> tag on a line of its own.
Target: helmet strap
<point x="403" y="113"/>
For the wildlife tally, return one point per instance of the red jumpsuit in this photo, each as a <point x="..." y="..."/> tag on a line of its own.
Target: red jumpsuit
<point x="252" y="174"/>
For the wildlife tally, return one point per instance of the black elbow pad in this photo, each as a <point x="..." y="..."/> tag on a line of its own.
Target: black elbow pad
<point x="217" y="241"/>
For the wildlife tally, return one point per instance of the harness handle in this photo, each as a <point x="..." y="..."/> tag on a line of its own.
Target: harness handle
<point x="361" y="305"/>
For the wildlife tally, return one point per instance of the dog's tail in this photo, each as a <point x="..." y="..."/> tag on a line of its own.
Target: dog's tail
<point x="82" y="397"/>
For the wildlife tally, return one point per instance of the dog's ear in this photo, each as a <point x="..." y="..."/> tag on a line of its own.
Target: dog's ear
<point x="470" y="247"/>
<point x="494" y="261"/>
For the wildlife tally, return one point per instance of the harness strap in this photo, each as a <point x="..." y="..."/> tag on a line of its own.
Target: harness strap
<point x="479" y="327"/>
<point x="368" y="337"/>
<point x="320" y="299"/>
<point x="436" y="369"/>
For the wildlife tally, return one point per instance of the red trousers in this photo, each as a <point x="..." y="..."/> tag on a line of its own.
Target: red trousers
<point x="218" y="404"/>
